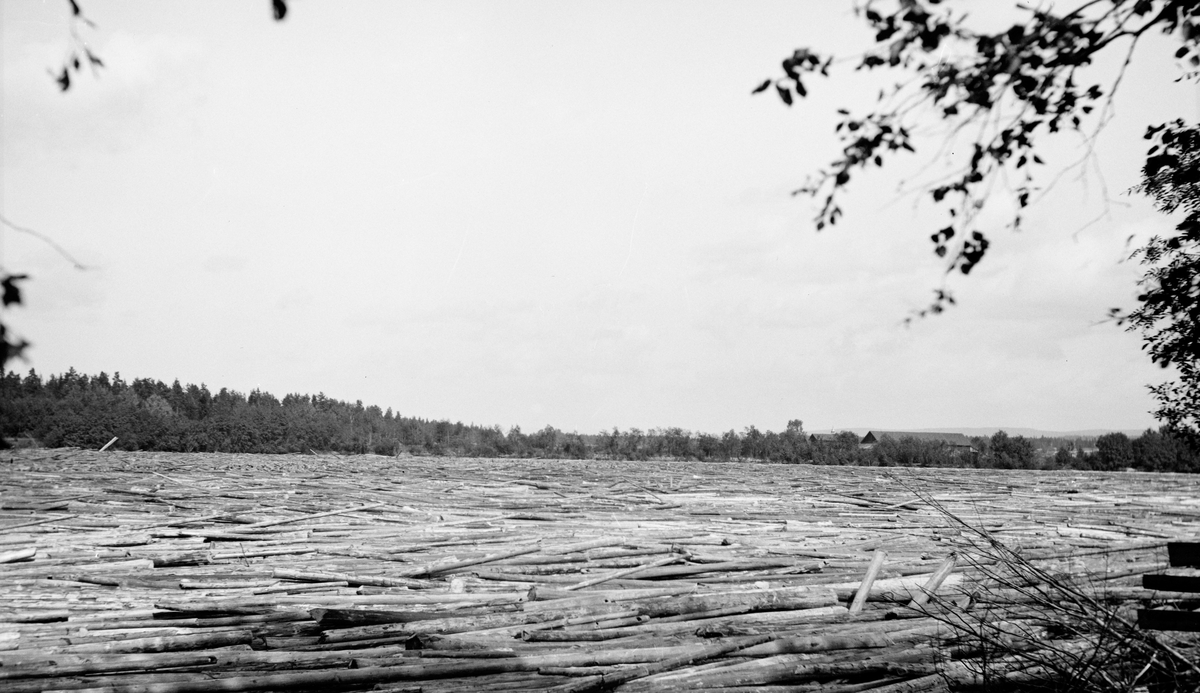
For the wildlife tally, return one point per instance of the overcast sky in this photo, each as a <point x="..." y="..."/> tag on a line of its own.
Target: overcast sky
<point x="531" y="213"/>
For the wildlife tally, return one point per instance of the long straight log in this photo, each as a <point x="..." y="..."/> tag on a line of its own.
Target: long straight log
<point x="261" y="553"/>
<point x="330" y="619"/>
<point x="763" y="620"/>
<point x="622" y="573"/>
<point x="313" y="516"/>
<point x="374" y="580"/>
<point x="619" y="677"/>
<point x="463" y="624"/>
<point x="900" y="589"/>
<point x="783" y="599"/>
<point x="340" y="601"/>
<point x="74" y="665"/>
<point x="436" y="569"/>
<point x="172" y="643"/>
<point x="550" y="598"/>
<point x="31" y="523"/>
<point x="747" y="564"/>
<point x="600" y="543"/>
<point x="557" y="623"/>
<point x="819" y="643"/>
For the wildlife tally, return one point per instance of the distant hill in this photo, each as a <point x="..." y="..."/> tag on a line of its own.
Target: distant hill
<point x="1016" y="431"/>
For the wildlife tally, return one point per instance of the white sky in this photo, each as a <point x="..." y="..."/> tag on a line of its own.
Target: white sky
<point x="539" y="213"/>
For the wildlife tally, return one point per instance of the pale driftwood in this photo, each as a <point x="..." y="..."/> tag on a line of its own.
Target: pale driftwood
<point x="864" y="590"/>
<point x="18" y="555"/>
<point x="935" y="581"/>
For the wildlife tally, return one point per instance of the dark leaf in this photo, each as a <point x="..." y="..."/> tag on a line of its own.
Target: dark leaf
<point x="800" y="89"/>
<point x="10" y="350"/>
<point x="93" y="59"/>
<point x="11" y="292"/>
<point x="280" y="8"/>
<point x="842" y="178"/>
<point x="762" y="87"/>
<point x="64" y="80"/>
<point x="75" y="8"/>
<point x="784" y="94"/>
<point x="1156" y="163"/>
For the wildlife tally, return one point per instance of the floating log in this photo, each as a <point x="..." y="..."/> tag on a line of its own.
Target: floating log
<point x="444" y="575"/>
<point x="864" y="590"/>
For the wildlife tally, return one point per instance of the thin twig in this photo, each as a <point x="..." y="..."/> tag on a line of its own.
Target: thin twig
<point x="48" y="241"/>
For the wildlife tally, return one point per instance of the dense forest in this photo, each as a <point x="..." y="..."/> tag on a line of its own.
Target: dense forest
<point x="77" y="410"/>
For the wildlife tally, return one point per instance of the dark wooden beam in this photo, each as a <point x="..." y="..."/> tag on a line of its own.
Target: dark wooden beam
<point x="1172" y="583"/>
<point x="1163" y="619"/>
<point x="1184" y="554"/>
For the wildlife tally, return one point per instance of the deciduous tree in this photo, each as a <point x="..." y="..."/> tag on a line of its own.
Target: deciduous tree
<point x="1005" y="92"/>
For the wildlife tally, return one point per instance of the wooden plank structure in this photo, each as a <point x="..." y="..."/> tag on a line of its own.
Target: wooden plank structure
<point x="137" y="572"/>
<point x="1184" y="555"/>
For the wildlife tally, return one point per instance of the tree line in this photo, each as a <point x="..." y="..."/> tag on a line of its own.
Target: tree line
<point x="78" y="410"/>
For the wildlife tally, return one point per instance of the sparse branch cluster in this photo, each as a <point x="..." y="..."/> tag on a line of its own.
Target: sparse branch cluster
<point x="79" y="55"/>
<point x="1008" y="89"/>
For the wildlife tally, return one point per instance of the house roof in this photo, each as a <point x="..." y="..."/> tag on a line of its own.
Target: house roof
<point x="956" y="439"/>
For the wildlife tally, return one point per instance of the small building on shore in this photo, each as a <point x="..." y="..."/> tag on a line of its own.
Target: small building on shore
<point x="831" y="437"/>
<point x="958" y="441"/>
